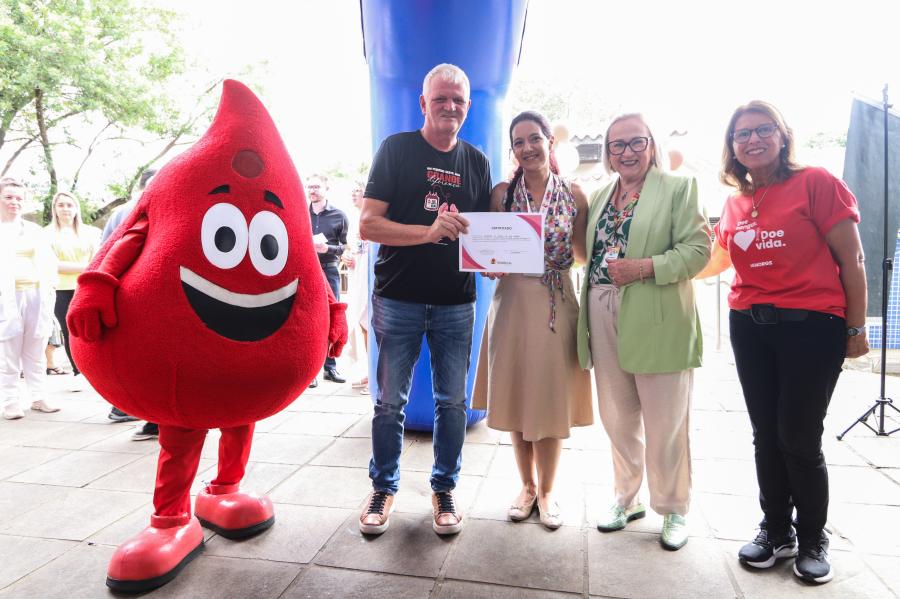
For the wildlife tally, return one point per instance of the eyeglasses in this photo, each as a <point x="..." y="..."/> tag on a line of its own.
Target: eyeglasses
<point x="638" y="144"/>
<point x="742" y="136"/>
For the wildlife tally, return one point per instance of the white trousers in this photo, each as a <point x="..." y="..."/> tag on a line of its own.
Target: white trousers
<point x="24" y="352"/>
<point x="641" y="408"/>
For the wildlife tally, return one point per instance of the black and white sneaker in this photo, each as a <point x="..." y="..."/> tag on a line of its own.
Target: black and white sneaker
<point x="146" y="431"/>
<point x="763" y="551"/>
<point x="117" y="415"/>
<point x="812" y="562"/>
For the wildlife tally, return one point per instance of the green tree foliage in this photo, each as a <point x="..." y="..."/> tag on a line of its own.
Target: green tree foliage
<point x="68" y="64"/>
<point x="350" y="172"/>
<point x="583" y="107"/>
<point x="826" y="139"/>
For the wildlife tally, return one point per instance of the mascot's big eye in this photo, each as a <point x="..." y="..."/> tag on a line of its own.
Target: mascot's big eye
<point x="268" y="243"/>
<point x="224" y="235"/>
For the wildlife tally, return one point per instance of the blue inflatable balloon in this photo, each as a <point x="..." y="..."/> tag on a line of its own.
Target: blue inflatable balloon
<point x="404" y="39"/>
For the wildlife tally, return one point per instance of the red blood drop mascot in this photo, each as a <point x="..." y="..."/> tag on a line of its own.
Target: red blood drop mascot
<point x="207" y="309"/>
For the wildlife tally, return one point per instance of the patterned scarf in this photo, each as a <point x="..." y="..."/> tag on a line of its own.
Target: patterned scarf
<point x="559" y="208"/>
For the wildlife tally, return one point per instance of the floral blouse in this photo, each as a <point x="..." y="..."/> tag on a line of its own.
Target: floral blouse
<point x="613" y="227"/>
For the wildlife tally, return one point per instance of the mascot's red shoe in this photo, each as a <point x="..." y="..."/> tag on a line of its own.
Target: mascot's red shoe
<point x="155" y="555"/>
<point x="232" y="513"/>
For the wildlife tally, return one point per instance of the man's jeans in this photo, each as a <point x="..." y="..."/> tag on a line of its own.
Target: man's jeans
<point x="399" y="327"/>
<point x="334" y="281"/>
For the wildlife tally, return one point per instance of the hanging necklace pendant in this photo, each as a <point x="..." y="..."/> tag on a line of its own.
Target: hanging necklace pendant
<point x="754" y="214"/>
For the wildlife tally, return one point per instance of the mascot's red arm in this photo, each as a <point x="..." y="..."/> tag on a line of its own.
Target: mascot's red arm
<point x="337" y="329"/>
<point x="95" y="302"/>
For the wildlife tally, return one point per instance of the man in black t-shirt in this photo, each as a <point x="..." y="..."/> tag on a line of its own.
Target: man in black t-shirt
<point x="418" y="184"/>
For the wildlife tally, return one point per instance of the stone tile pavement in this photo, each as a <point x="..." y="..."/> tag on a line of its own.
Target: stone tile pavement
<point x="73" y="485"/>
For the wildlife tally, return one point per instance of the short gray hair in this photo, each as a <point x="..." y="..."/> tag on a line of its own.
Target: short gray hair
<point x="658" y="157"/>
<point x="447" y="72"/>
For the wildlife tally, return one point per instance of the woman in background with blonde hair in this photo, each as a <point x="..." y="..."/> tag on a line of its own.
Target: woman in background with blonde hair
<point x="74" y="244"/>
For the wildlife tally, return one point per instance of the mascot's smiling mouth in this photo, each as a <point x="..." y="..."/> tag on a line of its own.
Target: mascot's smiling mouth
<point x="238" y="316"/>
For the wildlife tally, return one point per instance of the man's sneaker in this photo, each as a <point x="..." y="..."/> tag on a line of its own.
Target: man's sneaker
<point x="117" y="415"/>
<point x="617" y="517"/>
<point x="13" y="411"/>
<point x="674" y="532"/>
<point x="148" y="430"/>
<point x="763" y="551"/>
<point x="447" y="521"/>
<point x="375" y="516"/>
<point x="812" y="562"/>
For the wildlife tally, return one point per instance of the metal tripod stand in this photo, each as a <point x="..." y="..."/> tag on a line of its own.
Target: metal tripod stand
<point x="878" y="408"/>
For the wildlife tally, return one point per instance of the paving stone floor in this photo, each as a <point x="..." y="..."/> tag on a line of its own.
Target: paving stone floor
<point x="73" y="486"/>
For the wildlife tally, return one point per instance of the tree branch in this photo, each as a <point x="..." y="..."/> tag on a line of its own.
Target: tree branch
<point x="27" y="142"/>
<point x="175" y="141"/>
<point x="90" y="150"/>
<point x="45" y="139"/>
<point x="9" y="116"/>
<point x="15" y="155"/>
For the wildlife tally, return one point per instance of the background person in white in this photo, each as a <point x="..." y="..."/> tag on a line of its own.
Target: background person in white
<point x="418" y="184"/>
<point x="27" y="298"/>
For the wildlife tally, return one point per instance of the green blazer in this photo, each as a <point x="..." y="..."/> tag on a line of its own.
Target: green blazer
<point x="659" y="330"/>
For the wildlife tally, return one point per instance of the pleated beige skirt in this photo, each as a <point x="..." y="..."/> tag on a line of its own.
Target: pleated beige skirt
<point x="528" y="377"/>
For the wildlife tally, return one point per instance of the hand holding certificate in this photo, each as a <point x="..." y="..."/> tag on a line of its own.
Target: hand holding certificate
<point x="508" y="242"/>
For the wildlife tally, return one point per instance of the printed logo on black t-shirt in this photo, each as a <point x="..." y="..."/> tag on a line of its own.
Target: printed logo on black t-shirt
<point x="439" y="180"/>
<point x="432" y="200"/>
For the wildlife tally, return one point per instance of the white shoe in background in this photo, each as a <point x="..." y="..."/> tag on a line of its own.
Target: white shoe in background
<point x="13" y="411"/>
<point x="42" y="406"/>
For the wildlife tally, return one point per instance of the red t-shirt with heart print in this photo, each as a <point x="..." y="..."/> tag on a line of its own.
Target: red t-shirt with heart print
<point x="781" y="257"/>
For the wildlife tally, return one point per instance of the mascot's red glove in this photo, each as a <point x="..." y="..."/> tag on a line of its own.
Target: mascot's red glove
<point x="93" y="304"/>
<point x="337" y="326"/>
<point x="337" y="330"/>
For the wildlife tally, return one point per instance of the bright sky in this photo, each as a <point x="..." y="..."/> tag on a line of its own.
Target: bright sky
<point x="689" y="63"/>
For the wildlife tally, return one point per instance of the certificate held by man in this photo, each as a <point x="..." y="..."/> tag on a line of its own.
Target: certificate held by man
<point x="508" y="242"/>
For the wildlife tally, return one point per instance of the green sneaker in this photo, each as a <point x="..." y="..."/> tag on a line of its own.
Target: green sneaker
<point x="617" y="517"/>
<point x="674" y="532"/>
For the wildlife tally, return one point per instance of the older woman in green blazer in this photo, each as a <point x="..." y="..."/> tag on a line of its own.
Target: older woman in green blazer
<point x="647" y="237"/>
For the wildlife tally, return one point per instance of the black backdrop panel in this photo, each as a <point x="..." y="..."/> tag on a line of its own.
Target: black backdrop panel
<point x="864" y="174"/>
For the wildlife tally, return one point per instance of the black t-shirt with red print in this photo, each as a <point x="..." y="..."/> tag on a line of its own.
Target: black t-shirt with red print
<point x="415" y="179"/>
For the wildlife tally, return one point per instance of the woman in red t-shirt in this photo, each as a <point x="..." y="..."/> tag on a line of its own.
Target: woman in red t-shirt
<point x="798" y="307"/>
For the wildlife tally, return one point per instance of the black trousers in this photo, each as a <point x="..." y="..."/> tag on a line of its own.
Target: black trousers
<point x="63" y="299"/>
<point x="788" y="372"/>
<point x="334" y="281"/>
